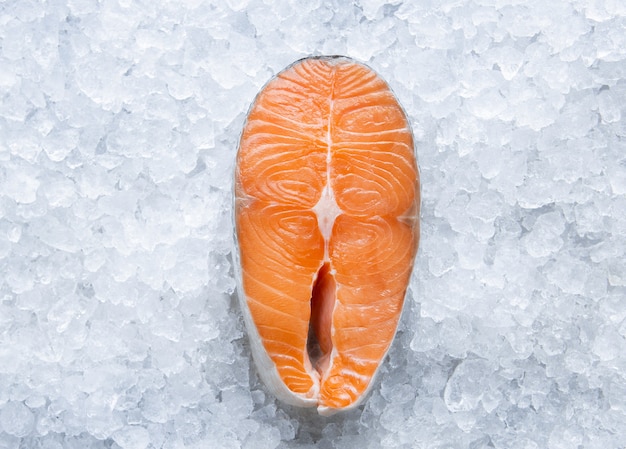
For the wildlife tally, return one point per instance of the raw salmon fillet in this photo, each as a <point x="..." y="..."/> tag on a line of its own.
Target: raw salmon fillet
<point x="327" y="226"/>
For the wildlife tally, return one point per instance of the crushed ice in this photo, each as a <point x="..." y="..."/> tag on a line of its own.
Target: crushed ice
<point x="119" y="122"/>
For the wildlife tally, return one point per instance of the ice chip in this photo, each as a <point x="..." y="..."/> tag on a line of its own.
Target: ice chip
<point x="509" y="60"/>
<point x="202" y="134"/>
<point x="132" y="437"/>
<point x="82" y="7"/>
<point x="56" y="233"/>
<point x="563" y="437"/>
<point x="154" y="407"/>
<point x="485" y="206"/>
<point x="21" y="184"/>
<point x="59" y="144"/>
<point x="266" y="437"/>
<point x="239" y="402"/>
<point x="545" y="236"/>
<point x="487" y="105"/>
<point x="608" y="106"/>
<point x="535" y="113"/>
<point x="442" y="261"/>
<point x="188" y="427"/>
<point x="16" y="419"/>
<point x="522" y="21"/>
<point x="467" y="384"/>
<point x="168" y="325"/>
<point x="237" y="5"/>
<point x="490" y="162"/>
<point x="588" y="219"/>
<point x="361" y="47"/>
<point x="577" y="361"/>
<point x="370" y="8"/>
<point x="608" y="344"/>
<point x="60" y="192"/>
<point x="454" y="335"/>
<point x="425" y="337"/>
<point x="617" y="178"/>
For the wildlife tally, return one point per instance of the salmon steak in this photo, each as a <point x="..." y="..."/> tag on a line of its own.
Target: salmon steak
<point x="326" y="215"/>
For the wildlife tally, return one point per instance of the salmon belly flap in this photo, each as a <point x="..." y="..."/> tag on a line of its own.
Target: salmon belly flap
<point x="327" y="227"/>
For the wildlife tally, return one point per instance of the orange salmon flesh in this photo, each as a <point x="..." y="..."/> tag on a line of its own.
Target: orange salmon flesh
<point x="327" y="225"/>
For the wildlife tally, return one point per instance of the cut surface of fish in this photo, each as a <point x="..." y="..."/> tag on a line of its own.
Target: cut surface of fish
<point x="327" y="226"/>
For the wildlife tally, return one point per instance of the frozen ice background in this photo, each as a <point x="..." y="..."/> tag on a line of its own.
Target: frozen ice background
<point x="119" y="122"/>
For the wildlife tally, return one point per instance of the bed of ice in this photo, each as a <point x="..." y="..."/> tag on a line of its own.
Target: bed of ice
<point x="119" y="121"/>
